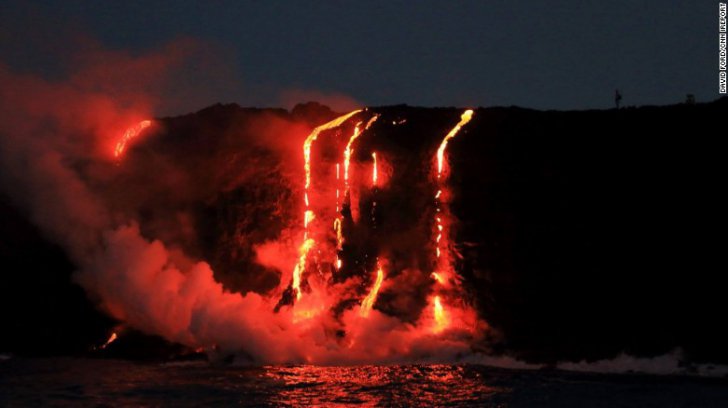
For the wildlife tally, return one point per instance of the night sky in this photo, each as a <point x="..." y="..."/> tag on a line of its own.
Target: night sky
<point x="545" y="55"/>
<point x="568" y="236"/>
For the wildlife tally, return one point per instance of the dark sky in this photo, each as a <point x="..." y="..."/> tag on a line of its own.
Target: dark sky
<point x="545" y="54"/>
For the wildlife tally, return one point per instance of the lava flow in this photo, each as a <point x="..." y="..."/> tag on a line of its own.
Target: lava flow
<point x="312" y="138"/>
<point x="130" y="134"/>
<point x="347" y="156"/>
<point x="374" y="169"/>
<point x="444" y="270"/>
<point x="305" y="248"/>
<point x="357" y="289"/>
<point x="111" y="339"/>
<point x="464" y="119"/>
<point x="368" y="302"/>
<point x="441" y="321"/>
<point x="308" y="213"/>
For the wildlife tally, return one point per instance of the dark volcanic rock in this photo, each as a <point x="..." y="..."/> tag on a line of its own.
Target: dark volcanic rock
<point x="582" y="234"/>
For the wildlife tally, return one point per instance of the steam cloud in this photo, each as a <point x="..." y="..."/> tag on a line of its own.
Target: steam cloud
<point x="56" y="145"/>
<point x="138" y="252"/>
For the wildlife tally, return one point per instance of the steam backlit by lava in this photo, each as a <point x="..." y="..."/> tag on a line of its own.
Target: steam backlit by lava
<point x="340" y="276"/>
<point x="328" y="309"/>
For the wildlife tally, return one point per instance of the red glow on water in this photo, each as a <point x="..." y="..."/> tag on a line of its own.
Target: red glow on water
<point x="381" y="385"/>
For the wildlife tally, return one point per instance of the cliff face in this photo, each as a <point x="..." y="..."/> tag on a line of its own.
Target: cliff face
<point x="590" y="229"/>
<point x="580" y="234"/>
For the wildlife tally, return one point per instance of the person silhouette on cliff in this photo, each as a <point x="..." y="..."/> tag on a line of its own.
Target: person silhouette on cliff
<point x="617" y="97"/>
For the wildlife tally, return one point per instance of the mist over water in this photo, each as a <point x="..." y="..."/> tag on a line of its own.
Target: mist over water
<point x="73" y="382"/>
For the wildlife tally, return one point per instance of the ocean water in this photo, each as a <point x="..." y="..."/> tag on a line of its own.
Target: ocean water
<point x="114" y="383"/>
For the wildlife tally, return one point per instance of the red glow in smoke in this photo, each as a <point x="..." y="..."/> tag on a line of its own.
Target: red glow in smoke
<point x="129" y="135"/>
<point x="158" y="290"/>
<point x="302" y="330"/>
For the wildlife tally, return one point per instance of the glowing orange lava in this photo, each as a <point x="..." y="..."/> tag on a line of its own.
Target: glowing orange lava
<point x="130" y="134"/>
<point x="371" y="122"/>
<point x="339" y="240"/>
<point x="368" y="302"/>
<point x="111" y="339"/>
<point x="443" y="264"/>
<point x="443" y="272"/>
<point x="300" y="266"/>
<point x="337" y="221"/>
<point x="337" y="228"/>
<point x="308" y="214"/>
<point x="441" y="319"/>
<point x="439" y="278"/>
<point x="347" y="155"/>
<point x="374" y="169"/>
<point x="349" y="149"/>
<point x="464" y="119"/>
<point x="312" y="137"/>
<point x="307" y="218"/>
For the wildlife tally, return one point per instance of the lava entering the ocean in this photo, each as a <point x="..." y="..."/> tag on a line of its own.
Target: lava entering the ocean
<point x="352" y="288"/>
<point x="350" y="260"/>
<point x="444" y="270"/>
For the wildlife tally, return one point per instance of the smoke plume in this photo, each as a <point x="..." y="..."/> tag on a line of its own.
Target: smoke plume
<point x="128" y="218"/>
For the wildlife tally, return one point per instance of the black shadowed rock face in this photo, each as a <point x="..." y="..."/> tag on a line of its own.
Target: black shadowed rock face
<point x="578" y="235"/>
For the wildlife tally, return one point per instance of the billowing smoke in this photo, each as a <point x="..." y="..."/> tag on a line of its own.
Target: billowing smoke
<point x="194" y="230"/>
<point x="129" y="217"/>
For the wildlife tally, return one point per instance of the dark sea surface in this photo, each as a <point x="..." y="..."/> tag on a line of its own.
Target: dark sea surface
<point x="100" y="383"/>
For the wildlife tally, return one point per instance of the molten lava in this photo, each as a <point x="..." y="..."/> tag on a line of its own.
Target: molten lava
<point x="347" y="155"/>
<point x="307" y="218"/>
<point x="339" y="241"/>
<point x="332" y="264"/>
<point x="348" y="151"/>
<point x="308" y="214"/>
<point x="368" y="302"/>
<point x="437" y="277"/>
<point x="464" y="119"/>
<point x="444" y="268"/>
<point x="371" y="122"/>
<point x="111" y="339"/>
<point x="312" y="137"/>
<point x="130" y="134"/>
<point x="301" y="265"/>
<point x="441" y="319"/>
<point x="349" y="147"/>
<point x="339" y="236"/>
<point x="374" y="169"/>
